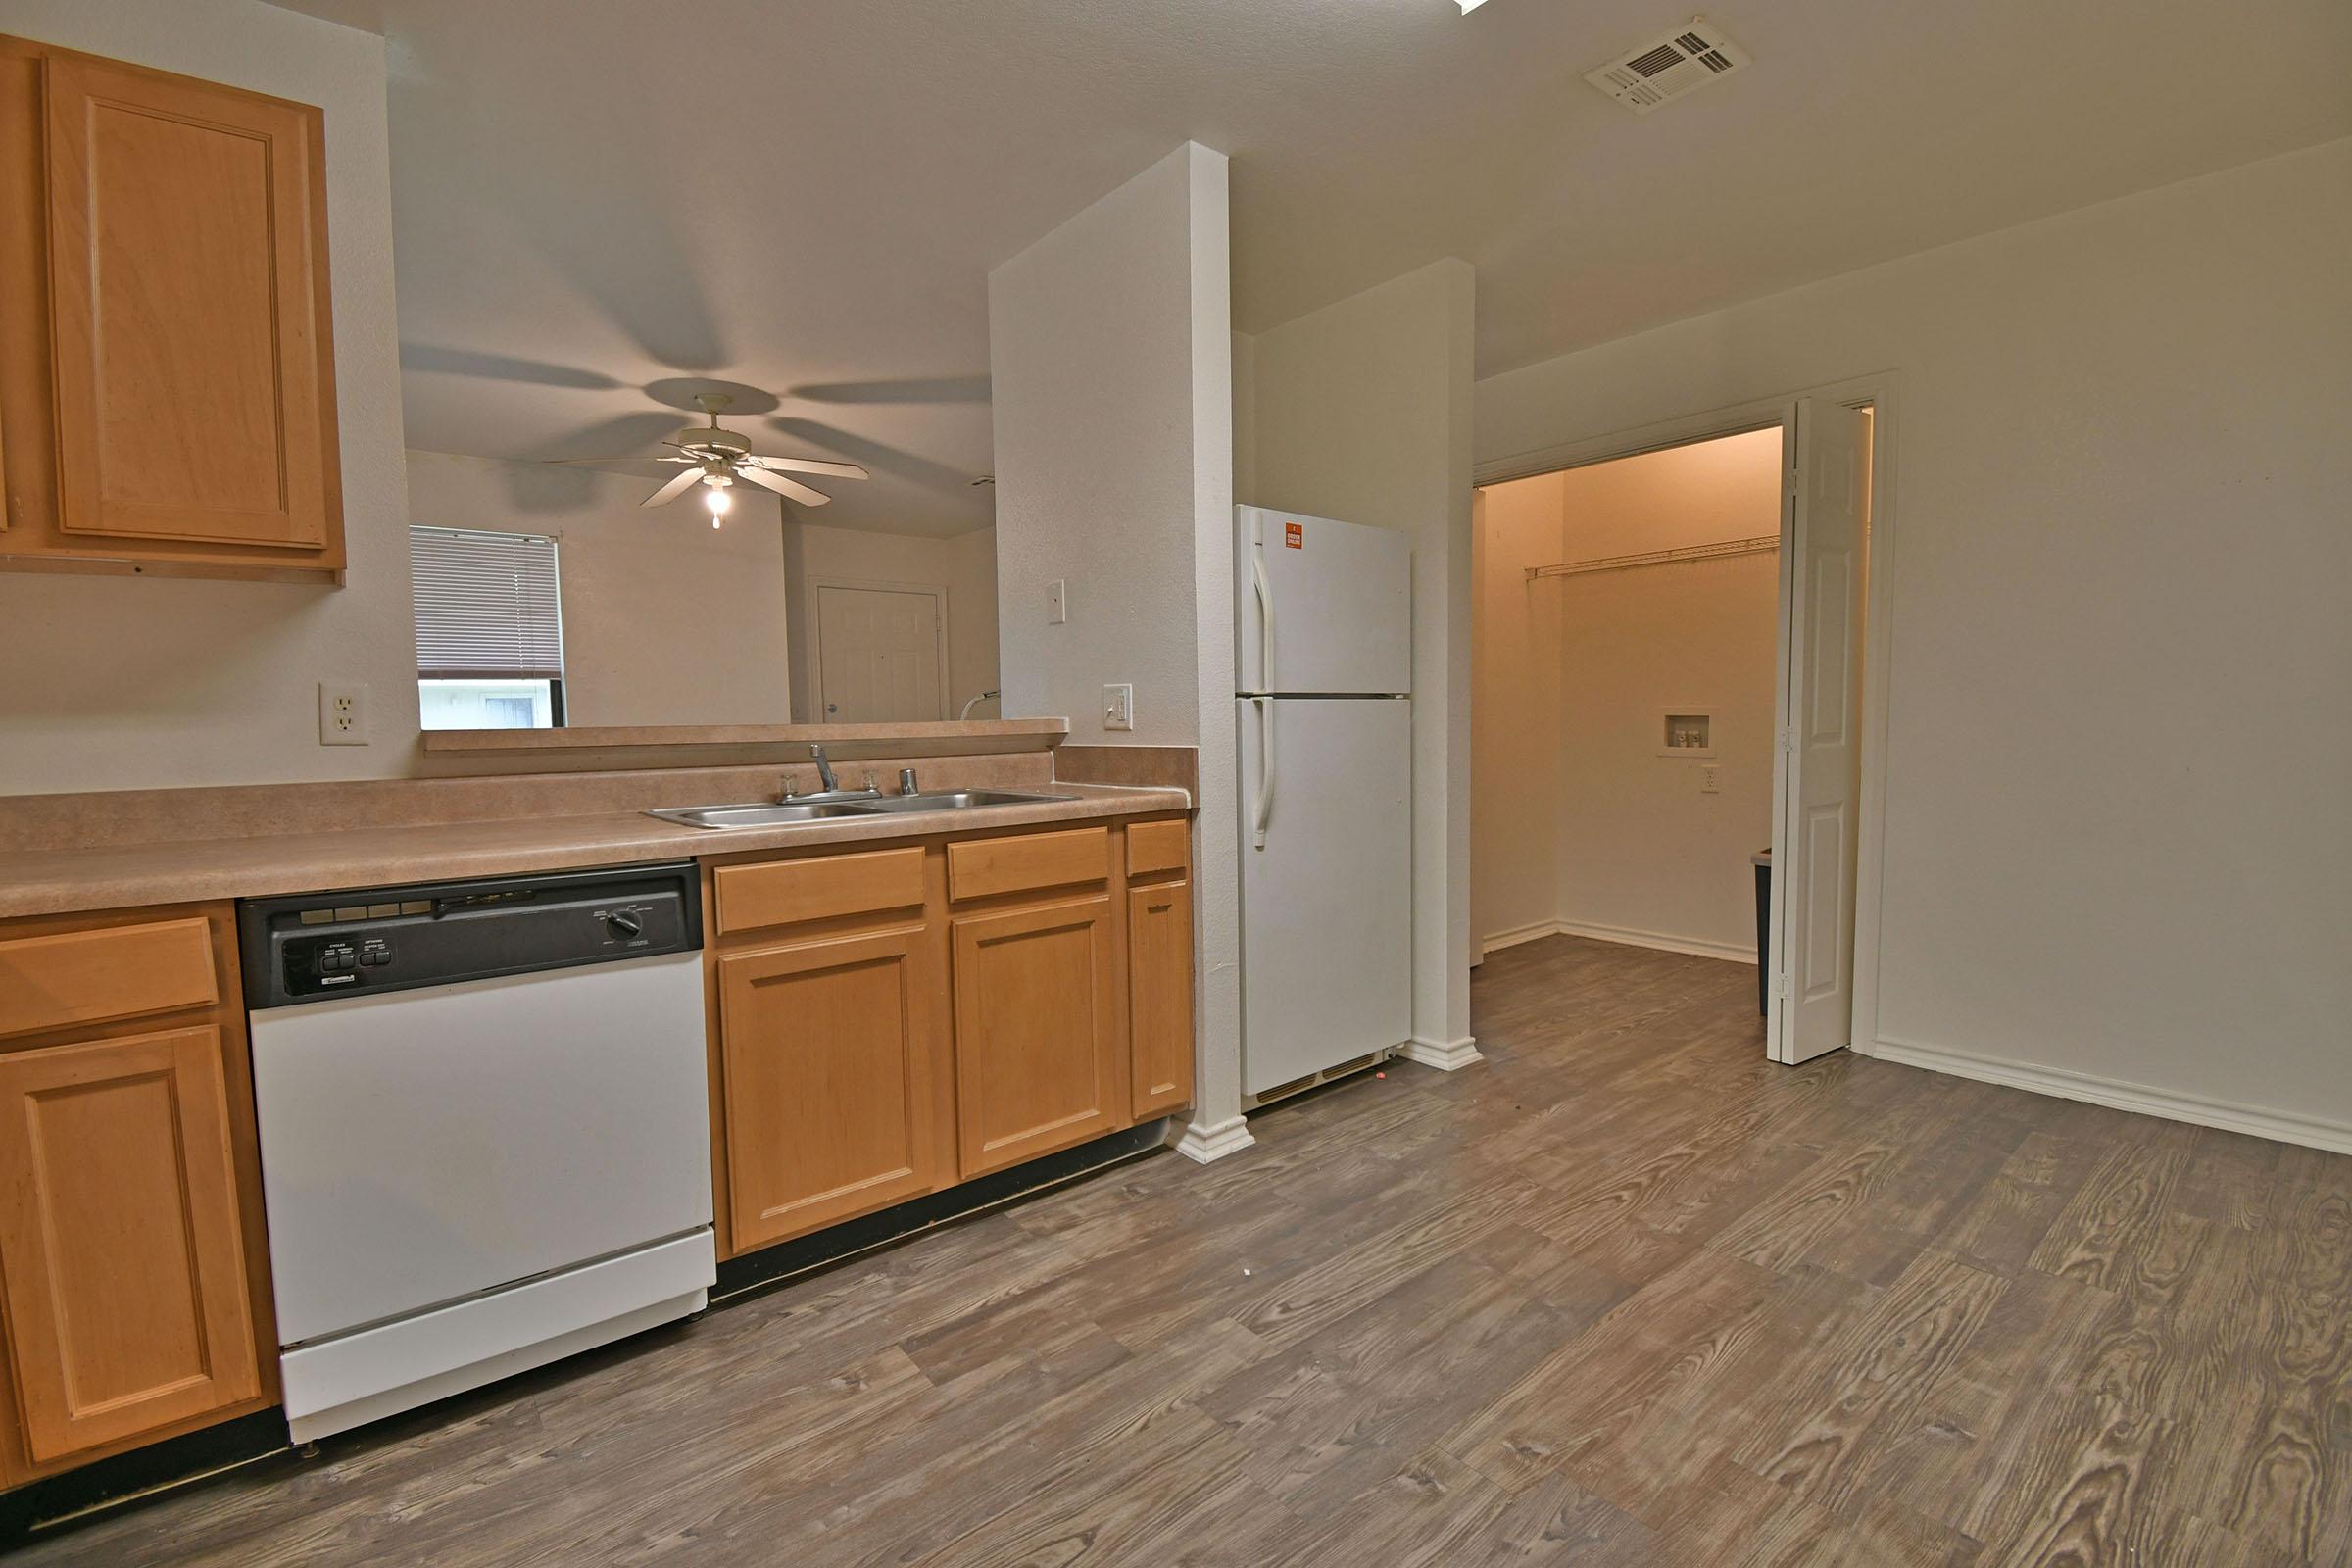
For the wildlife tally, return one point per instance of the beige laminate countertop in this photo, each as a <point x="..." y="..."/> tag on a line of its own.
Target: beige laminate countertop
<point x="121" y="876"/>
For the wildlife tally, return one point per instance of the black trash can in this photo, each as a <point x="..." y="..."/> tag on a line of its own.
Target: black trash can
<point x="1762" y="861"/>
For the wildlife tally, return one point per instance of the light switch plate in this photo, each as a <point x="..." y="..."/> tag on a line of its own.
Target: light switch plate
<point x="1058" y="602"/>
<point x="342" y="714"/>
<point x="1118" y="706"/>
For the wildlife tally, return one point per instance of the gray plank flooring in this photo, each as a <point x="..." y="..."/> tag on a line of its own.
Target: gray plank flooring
<point x="1627" y="1295"/>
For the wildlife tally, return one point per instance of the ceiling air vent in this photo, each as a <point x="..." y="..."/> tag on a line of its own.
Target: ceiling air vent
<point x="1669" y="67"/>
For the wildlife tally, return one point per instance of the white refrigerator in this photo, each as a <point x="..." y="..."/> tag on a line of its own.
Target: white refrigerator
<point x="1323" y="714"/>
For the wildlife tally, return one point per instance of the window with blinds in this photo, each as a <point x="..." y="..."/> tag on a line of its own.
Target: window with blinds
<point x="489" y="629"/>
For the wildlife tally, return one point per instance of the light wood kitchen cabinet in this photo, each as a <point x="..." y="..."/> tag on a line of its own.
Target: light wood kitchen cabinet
<point x="126" y="1273"/>
<point x="1159" y="996"/>
<point x="134" y="1266"/>
<point x="828" y="1077"/>
<point x="886" y="1023"/>
<point x="1037" y="1049"/>
<point x="166" y="366"/>
<point x="1159" y="965"/>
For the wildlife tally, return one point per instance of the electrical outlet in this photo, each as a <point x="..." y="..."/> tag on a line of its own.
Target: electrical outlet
<point x="1057" y="603"/>
<point x="342" y="714"/>
<point x="1711" y="779"/>
<point x="1118" y="706"/>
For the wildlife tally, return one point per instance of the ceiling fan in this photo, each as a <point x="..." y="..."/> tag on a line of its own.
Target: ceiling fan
<point x="716" y="459"/>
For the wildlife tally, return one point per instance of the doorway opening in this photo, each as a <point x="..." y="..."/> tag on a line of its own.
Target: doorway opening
<point x="1668" y="711"/>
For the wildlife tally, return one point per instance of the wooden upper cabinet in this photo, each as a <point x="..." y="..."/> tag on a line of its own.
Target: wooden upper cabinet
<point x="126" y="1279"/>
<point x="1038" y="1061"/>
<point x="187" y="349"/>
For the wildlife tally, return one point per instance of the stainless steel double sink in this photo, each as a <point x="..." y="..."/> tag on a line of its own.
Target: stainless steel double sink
<point x="780" y="813"/>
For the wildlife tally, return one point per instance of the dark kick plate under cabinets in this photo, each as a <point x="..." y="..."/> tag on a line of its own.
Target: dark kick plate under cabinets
<point x="316" y="947"/>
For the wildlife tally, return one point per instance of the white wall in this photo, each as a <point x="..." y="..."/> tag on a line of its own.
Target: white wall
<point x="1515" y="721"/>
<point x="1363" y="413"/>
<point x="2117" y="856"/>
<point x="1091" y="353"/>
<point x="137" y="682"/>
<point x="666" y="619"/>
<point x="964" y="565"/>
<point x="1110" y="358"/>
<point x="1644" y="851"/>
<point x="972" y="666"/>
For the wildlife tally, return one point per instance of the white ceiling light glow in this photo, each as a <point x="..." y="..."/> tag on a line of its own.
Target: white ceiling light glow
<point x="1469" y="6"/>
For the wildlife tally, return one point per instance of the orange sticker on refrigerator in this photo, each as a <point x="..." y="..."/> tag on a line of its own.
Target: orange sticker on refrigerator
<point x="1293" y="536"/>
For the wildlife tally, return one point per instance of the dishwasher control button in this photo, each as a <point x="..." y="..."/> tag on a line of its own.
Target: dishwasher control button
<point x="625" y="923"/>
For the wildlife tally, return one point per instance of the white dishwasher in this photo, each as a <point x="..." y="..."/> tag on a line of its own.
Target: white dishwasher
<point x="484" y="1124"/>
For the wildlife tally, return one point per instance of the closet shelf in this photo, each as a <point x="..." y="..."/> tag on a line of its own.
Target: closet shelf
<point x="1759" y="545"/>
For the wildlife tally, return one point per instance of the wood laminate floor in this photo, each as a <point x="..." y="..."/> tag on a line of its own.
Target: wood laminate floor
<point x="1625" y="1294"/>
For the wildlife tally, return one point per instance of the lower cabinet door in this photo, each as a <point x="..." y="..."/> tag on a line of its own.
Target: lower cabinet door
<point x="1037" y="1064"/>
<point x="120" y="1248"/>
<point x="825" y="1047"/>
<point x="1160" y="996"/>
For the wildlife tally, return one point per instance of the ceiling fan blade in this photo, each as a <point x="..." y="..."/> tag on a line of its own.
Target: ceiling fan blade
<point x="838" y="471"/>
<point x="784" y="487"/>
<point x="590" y="462"/>
<point x="677" y="486"/>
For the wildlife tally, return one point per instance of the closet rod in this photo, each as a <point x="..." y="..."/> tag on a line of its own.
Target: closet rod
<point x="1759" y="545"/>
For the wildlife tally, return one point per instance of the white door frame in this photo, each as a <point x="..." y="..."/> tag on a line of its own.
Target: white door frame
<point x="816" y="633"/>
<point x="1878" y="392"/>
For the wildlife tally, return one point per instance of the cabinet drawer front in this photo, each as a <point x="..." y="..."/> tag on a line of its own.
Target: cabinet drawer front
<point x="1154" y="847"/>
<point x="125" y="1278"/>
<point x="980" y="867"/>
<point x="827" y="1082"/>
<point x="786" y="892"/>
<point x="122" y="972"/>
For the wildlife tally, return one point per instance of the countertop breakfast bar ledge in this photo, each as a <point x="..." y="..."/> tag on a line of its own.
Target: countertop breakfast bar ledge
<point x="54" y="881"/>
<point x="903" y="738"/>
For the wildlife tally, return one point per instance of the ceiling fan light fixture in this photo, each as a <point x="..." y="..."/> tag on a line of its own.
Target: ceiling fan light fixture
<point x="718" y="457"/>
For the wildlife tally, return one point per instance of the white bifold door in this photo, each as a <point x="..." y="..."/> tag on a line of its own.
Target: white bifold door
<point x="1327" y="876"/>
<point x="1819" y="789"/>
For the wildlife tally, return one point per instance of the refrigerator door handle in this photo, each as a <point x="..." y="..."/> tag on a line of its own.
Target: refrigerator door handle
<point x="1265" y="620"/>
<point x="1265" y="770"/>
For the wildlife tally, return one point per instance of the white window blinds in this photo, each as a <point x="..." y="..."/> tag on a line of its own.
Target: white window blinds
<point x="487" y="607"/>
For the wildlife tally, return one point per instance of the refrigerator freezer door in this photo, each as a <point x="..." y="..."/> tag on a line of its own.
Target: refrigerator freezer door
<point x="1320" y="606"/>
<point x="1327" y="905"/>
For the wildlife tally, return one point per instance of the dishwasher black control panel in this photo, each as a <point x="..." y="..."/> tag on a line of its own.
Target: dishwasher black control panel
<point x="320" y="945"/>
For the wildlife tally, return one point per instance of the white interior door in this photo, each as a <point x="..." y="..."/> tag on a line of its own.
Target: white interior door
<point x="1819" y="790"/>
<point x="877" y="655"/>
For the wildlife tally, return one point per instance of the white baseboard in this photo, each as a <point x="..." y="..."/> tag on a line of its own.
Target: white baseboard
<point x="1447" y="1055"/>
<point x="1203" y="1145"/>
<point x="2148" y="1099"/>
<point x="1518" y="934"/>
<point x="1624" y="935"/>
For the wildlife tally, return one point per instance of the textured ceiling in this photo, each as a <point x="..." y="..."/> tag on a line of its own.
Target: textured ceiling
<point x="601" y="206"/>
